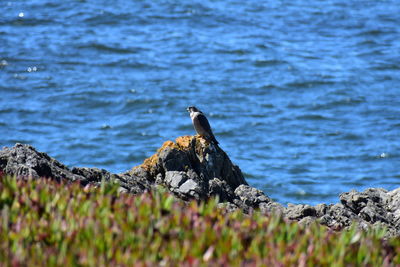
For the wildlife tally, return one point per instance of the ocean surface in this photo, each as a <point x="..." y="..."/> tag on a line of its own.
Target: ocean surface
<point x="303" y="95"/>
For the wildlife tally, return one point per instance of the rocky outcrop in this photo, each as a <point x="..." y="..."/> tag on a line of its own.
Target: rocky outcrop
<point x="191" y="168"/>
<point x="23" y="161"/>
<point x="372" y="208"/>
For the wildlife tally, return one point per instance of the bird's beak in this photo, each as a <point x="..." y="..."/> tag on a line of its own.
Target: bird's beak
<point x="187" y="109"/>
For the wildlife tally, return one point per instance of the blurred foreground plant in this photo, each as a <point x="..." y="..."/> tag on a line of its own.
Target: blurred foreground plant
<point x="48" y="223"/>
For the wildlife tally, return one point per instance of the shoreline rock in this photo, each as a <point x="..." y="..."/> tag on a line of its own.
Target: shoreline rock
<point x="191" y="168"/>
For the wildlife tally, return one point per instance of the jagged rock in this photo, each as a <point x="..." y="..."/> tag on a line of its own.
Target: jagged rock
<point x="321" y="209"/>
<point x="271" y="207"/>
<point x="182" y="185"/>
<point x="93" y="174"/>
<point x="298" y="212"/>
<point x="172" y="159"/>
<point x="221" y="189"/>
<point x="227" y="206"/>
<point x="394" y="199"/>
<point x="192" y="168"/>
<point x="394" y="206"/>
<point x="251" y="196"/>
<point x="337" y="217"/>
<point x="174" y="179"/>
<point x="306" y="221"/>
<point x="25" y="161"/>
<point x="191" y="188"/>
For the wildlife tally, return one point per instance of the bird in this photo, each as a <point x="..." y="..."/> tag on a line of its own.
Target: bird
<point x="201" y="124"/>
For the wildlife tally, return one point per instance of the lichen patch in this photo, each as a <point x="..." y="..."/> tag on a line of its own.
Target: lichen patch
<point x="183" y="142"/>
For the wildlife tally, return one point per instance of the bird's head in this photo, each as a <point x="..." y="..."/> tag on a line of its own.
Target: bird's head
<point x="192" y="109"/>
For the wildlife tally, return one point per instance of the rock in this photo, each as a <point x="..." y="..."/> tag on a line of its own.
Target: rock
<point x="353" y="200"/>
<point x="174" y="179"/>
<point x="307" y="221"/>
<point x="221" y="189"/>
<point x="298" y="212"/>
<point x="182" y="185"/>
<point x="271" y="208"/>
<point x="190" y="187"/>
<point x="189" y="168"/>
<point x="172" y="159"/>
<point x="92" y="174"/>
<point x="373" y="213"/>
<point x="251" y="196"/>
<point x="321" y="209"/>
<point x="192" y="168"/>
<point x="24" y="161"/>
<point x="394" y="206"/>
<point x="228" y="207"/>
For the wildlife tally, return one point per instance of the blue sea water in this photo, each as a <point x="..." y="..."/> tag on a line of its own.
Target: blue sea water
<point x="302" y="95"/>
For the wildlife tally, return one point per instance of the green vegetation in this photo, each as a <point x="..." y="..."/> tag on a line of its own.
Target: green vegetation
<point x="45" y="223"/>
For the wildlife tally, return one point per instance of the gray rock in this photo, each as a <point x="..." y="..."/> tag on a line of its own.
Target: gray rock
<point x="159" y="179"/>
<point x="341" y="216"/>
<point x="25" y="161"/>
<point x="93" y="174"/>
<point x="188" y="186"/>
<point x="321" y="209"/>
<point x="191" y="168"/>
<point x="174" y="179"/>
<point x="374" y="213"/>
<point x="298" y="212"/>
<point x="251" y="196"/>
<point x="172" y="159"/>
<point x="271" y="207"/>
<point x="221" y="189"/>
<point x="394" y="200"/>
<point x="190" y="189"/>
<point x="227" y="206"/>
<point x="354" y="200"/>
<point x="307" y="221"/>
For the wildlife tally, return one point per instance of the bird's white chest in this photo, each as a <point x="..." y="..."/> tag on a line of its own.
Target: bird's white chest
<point x="194" y="115"/>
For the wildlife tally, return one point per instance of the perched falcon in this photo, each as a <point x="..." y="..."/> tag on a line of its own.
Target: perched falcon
<point x="201" y="124"/>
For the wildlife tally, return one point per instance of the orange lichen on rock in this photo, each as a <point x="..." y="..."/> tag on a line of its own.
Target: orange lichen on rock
<point x="150" y="162"/>
<point x="167" y="144"/>
<point x="183" y="142"/>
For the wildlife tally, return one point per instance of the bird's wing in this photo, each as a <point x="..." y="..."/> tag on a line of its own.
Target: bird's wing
<point x="204" y="123"/>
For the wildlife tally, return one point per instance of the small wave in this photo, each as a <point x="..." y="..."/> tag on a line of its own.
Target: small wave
<point x="313" y="117"/>
<point x="350" y="137"/>
<point x="299" y="169"/>
<point x="108" y="48"/>
<point x="386" y="66"/>
<point x="268" y="62"/>
<point x="108" y="18"/>
<point x="6" y="110"/>
<point x="337" y="103"/>
<point x="374" y="32"/>
<point x="233" y="51"/>
<point x="27" y="22"/>
<point x="308" y="84"/>
<point x="132" y="65"/>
